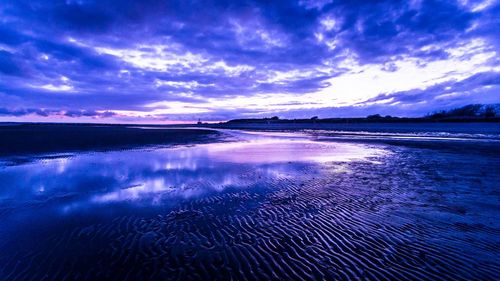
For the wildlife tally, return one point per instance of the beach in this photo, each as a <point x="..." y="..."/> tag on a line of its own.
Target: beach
<point x="256" y="205"/>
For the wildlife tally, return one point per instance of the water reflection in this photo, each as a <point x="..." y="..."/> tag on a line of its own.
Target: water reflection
<point x="155" y="176"/>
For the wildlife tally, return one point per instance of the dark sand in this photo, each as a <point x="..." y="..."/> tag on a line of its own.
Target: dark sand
<point x="383" y="211"/>
<point x="22" y="139"/>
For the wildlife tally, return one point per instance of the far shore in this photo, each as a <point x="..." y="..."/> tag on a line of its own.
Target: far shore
<point x="480" y="127"/>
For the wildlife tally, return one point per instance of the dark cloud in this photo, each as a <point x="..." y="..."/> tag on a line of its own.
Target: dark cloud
<point x="8" y="64"/>
<point x="51" y="112"/>
<point x="11" y="37"/>
<point x="88" y="113"/>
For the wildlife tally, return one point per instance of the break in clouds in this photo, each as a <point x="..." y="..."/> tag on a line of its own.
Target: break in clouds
<point x="165" y="61"/>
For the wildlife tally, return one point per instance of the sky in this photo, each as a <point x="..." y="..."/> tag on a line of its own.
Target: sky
<point x="152" y="61"/>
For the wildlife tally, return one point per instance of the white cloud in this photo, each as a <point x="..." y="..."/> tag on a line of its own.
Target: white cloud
<point x="177" y="84"/>
<point x="364" y="82"/>
<point x="171" y="58"/>
<point x="255" y="35"/>
<point x="172" y="107"/>
<point x="361" y="83"/>
<point x="55" y="88"/>
<point x="155" y="57"/>
<point x="283" y="77"/>
<point x="329" y="23"/>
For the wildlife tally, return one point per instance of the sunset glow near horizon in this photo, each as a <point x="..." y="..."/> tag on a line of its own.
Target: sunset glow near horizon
<point x="180" y="61"/>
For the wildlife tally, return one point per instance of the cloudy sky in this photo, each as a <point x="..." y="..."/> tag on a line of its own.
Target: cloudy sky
<point x="173" y="61"/>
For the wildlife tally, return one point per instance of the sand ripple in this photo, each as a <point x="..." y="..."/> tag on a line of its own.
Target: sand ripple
<point x="327" y="225"/>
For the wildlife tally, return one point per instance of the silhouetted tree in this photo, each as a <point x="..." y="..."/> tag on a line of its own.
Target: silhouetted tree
<point x="489" y="112"/>
<point x="471" y="110"/>
<point x="374" y="116"/>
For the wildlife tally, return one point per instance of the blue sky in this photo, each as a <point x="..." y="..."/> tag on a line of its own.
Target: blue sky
<point x="173" y="61"/>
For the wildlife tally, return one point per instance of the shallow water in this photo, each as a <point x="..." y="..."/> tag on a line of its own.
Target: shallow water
<point x="259" y="205"/>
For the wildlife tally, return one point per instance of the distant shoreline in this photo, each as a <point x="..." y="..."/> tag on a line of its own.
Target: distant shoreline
<point x="394" y="127"/>
<point x="366" y="120"/>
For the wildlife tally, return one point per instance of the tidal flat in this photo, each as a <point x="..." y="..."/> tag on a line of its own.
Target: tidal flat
<point x="255" y="205"/>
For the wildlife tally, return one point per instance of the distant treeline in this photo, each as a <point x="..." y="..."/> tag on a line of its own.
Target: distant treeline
<point x="468" y="113"/>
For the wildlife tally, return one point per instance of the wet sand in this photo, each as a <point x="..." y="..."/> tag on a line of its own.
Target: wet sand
<point x="377" y="210"/>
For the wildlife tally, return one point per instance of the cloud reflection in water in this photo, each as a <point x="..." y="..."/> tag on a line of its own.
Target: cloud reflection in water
<point x="145" y="177"/>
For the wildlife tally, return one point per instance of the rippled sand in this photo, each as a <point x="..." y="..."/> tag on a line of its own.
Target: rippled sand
<point x="309" y="210"/>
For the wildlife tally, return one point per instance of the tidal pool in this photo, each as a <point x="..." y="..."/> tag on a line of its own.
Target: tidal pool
<point x="155" y="175"/>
